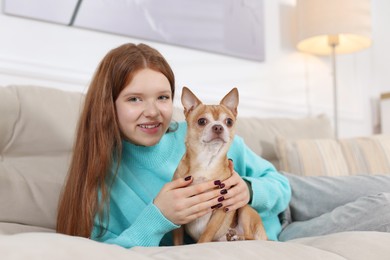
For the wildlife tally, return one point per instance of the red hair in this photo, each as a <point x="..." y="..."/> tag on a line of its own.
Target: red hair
<point x="98" y="139"/>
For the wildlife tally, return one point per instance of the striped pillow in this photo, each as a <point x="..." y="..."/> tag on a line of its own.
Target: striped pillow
<point x="367" y="155"/>
<point x="331" y="157"/>
<point x="311" y="157"/>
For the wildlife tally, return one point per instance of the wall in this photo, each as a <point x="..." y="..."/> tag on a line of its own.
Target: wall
<point x="287" y="83"/>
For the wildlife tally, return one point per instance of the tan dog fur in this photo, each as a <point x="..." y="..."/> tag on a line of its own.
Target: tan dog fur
<point x="209" y="135"/>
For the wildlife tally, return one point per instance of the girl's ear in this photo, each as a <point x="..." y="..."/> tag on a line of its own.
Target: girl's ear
<point x="189" y="100"/>
<point x="231" y="101"/>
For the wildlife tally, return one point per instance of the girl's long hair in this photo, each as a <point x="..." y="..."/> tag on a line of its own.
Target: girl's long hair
<point x="98" y="138"/>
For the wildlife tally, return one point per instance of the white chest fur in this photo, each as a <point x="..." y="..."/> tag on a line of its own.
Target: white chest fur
<point x="196" y="227"/>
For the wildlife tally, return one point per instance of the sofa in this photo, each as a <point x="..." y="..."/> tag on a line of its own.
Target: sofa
<point x="37" y="126"/>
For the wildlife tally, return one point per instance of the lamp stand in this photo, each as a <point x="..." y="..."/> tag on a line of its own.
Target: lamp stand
<point x="333" y="41"/>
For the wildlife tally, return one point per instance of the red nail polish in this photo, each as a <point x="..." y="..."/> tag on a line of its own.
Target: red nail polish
<point x="224" y="191"/>
<point x="226" y="209"/>
<point x="221" y="198"/>
<point x="217" y="182"/>
<point x="187" y="178"/>
<point x="222" y="185"/>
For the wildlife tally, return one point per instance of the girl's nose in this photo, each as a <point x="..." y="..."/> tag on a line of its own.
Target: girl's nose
<point x="151" y="110"/>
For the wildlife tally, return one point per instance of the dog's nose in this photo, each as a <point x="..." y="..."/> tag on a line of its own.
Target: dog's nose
<point x="217" y="129"/>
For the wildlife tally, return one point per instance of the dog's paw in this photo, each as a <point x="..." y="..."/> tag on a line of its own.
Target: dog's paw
<point x="231" y="235"/>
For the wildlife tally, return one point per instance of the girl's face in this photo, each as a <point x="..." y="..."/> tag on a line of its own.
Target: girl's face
<point x="144" y="108"/>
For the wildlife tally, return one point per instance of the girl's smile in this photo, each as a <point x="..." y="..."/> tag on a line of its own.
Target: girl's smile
<point x="150" y="128"/>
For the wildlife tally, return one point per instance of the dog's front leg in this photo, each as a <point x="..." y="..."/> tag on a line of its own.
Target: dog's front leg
<point x="217" y="221"/>
<point x="251" y="223"/>
<point x="178" y="236"/>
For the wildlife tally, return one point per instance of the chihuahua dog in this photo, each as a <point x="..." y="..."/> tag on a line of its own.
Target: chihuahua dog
<point x="211" y="129"/>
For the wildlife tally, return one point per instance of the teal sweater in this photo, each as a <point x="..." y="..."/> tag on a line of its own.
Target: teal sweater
<point x="135" y="221"/>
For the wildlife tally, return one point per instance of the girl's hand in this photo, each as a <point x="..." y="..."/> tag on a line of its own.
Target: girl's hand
<point x="182" y="204"/>
<point x="238" y="193"/>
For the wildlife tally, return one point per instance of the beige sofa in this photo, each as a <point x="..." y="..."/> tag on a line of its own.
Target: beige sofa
<point x="36" y="133"/>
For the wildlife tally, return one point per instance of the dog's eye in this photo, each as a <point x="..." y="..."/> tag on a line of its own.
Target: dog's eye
<point x="229" y="122"/>
<point x="202" y="121"/>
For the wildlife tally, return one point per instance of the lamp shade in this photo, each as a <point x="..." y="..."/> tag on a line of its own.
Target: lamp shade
<point x="347" y="21"/>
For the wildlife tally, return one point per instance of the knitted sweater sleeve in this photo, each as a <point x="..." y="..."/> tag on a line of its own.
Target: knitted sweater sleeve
<point x="148" y="230"/>
<point x="271" y="191"/>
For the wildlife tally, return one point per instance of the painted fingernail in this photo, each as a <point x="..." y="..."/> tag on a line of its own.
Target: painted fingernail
<point x="217" y="206"/>
<point x="187" y="178"/>
<point x="222" y="185"/>
<point x="230" y="159"/>
<point x="217" y="182"/>
<point x="221" y="198"/>
<point x="224" y="191"/>
<point x="226" y="209"/>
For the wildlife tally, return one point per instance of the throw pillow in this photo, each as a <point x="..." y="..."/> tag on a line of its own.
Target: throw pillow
<point x="331" y="157"/>
<point x="311" y="157"/>
<point x="367" y="155"/>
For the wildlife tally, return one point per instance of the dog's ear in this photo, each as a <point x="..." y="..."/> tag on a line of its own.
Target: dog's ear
<point x="231" y="100"/>
<point x="189" y="100"/>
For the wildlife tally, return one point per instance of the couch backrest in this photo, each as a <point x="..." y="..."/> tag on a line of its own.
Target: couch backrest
<point x="261" y="134"/>
<point x="36" y="137"/>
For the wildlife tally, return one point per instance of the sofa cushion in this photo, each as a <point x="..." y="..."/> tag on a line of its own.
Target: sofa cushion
<point x="39" y="125"/>
<point x="311" y="157"/>
<point x="13" y="228"/>
<point x="347" y="245"/>
<point x="331" y="157"/>
<point x="367" y="155"/>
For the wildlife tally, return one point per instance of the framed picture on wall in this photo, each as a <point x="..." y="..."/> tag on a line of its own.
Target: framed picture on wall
<point x="229" y="27"/>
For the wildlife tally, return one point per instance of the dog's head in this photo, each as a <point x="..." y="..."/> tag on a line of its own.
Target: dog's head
<point x="210" y="124"/>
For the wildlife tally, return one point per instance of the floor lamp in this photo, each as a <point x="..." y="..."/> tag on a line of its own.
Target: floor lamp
<point x="331" y="27"/>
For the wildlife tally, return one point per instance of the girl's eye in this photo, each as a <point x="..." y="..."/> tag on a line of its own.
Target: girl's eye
<point x="229" y="122"/>
<point x="134" y="99"/>
<point x="164" y="97"/>
<point x="202" y="121"/>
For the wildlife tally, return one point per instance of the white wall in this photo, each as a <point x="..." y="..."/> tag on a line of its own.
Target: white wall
<point x="287" y="83"/>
